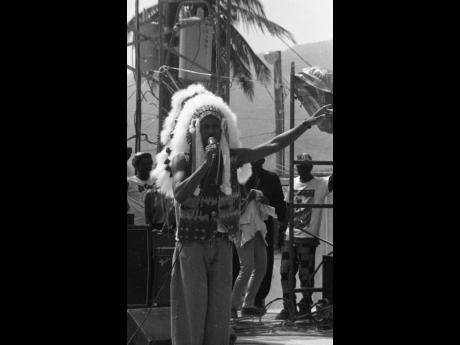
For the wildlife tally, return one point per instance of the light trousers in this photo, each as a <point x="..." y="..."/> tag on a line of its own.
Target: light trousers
<point x="253" y="266"/>
<point x="201" y="288"/>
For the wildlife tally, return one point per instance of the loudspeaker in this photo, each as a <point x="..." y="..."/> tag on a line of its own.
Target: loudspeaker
<point x="162" y="264"/>
<point x="162" y="240"/>
<point x="328" y="264"/>
<point x="139" y="266"/>
<point x="149" y="326"/>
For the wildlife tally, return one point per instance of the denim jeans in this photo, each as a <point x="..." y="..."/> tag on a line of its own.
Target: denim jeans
<point x="304" y="264"/>
<point x="201" y="289"/>
<point x="253" y="266"/>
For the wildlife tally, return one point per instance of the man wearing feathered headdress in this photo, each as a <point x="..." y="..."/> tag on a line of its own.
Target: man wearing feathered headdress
<point x="201" y="167"/>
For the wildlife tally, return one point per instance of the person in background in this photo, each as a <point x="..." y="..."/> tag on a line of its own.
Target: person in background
<point x="308" y="189"/>
<point x="139" y="185"/>
<point x="269" y="183"/>
<point x="129" y="169"/>
<point x="251" y="244"/>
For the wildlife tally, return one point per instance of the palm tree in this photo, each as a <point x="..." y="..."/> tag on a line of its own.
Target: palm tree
<point x="242" y="58"/>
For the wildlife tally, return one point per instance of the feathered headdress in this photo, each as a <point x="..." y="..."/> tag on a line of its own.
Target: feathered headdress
<point x="181" y="134"/>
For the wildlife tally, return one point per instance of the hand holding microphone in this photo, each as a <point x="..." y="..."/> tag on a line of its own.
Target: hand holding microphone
<point x="211" y="149"/>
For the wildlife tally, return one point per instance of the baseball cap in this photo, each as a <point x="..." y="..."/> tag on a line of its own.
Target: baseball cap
<point x="304" y="157"/>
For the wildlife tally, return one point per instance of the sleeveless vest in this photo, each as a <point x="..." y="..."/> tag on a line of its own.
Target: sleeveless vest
<point x="200" y="217"/>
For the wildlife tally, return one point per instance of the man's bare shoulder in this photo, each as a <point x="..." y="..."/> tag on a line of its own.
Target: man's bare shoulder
<point x="180" y="161"/>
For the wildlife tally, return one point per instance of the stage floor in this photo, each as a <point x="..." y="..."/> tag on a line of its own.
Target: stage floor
<point x="268" y="331"/>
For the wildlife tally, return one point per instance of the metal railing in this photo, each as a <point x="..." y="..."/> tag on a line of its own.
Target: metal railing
<point x="293" y="205"/>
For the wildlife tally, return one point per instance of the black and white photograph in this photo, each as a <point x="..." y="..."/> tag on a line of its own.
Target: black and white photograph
<point x="229" y="140"/>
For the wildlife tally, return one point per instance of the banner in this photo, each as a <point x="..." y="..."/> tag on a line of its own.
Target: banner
<point x="314" y="89"/>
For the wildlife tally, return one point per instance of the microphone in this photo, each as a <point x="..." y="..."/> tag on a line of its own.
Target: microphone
<point x="212" y="140"/>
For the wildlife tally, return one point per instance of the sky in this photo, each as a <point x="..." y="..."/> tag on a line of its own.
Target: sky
<point x="308" y="20"/>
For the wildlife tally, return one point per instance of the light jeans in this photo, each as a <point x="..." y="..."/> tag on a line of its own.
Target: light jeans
<point x="201" y="288"/>
<point x="253" y="266"/>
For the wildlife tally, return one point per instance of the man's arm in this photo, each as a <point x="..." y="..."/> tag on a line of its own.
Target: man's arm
<point x="184" y="186"/>
<point x="246" y="155"/>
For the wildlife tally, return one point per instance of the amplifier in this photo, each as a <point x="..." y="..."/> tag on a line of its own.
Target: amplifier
<point x="162" y="263"/>
<point x="162" y="240"/>
<point x="328" y="264"/>
<point x="139" y="266"/>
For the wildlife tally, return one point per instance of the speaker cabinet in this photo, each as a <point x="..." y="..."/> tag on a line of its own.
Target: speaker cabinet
<point x="162" y="264"/>
<point x="139" y="266"/>
<point x="162" y="240"/>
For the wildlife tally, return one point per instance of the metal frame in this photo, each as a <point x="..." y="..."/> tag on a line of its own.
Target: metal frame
<point x="291" y="205"/>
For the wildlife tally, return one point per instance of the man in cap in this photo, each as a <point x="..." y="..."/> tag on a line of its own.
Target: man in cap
<point x="308" y="189"/>
<point x="204" y="166"/>
<point x="138" y="186"/>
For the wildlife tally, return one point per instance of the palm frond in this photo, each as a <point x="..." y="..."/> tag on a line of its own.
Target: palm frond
<point x="256" y="21"/>
<point x="247" y="54"/>
<point x="151" y="14"/>
<point x="242" y="74"/>
<point x="254" y="6"/>
<point x="242" y="58"/>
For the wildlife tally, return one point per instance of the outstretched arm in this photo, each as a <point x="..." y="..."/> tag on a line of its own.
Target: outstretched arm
<point x="246" y="155"/>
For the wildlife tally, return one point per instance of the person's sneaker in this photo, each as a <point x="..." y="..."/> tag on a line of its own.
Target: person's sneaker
<point x="282" y="315"/>
<point x="252" y="311"/>
<point x="234" y="314"/>
<point x="304" y="312"/>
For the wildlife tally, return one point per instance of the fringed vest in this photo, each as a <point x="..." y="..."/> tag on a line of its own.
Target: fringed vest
<point x="200" y="217"/>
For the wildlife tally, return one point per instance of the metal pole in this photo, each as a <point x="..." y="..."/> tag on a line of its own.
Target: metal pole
<point x="291" y="199"/>
<point x="161" y="91"/>
<point x="227" y="53"/>
<point x="279" y="107"/>
<point x="138" y="116"/>
<point x="218" y="49"/>
<point x="167" y="20"/>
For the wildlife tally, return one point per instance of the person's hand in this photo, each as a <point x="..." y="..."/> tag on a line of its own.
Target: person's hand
<point x="257" y="195"/>
<point x="264" y="200"/>
<point x="327" y="124"/>
<point x="252" y="195"/>
<point x="315" y="242"/>
<point x="260" y="197"/>
<point x="211" y="153"/>
<point x="323" y="113"/>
